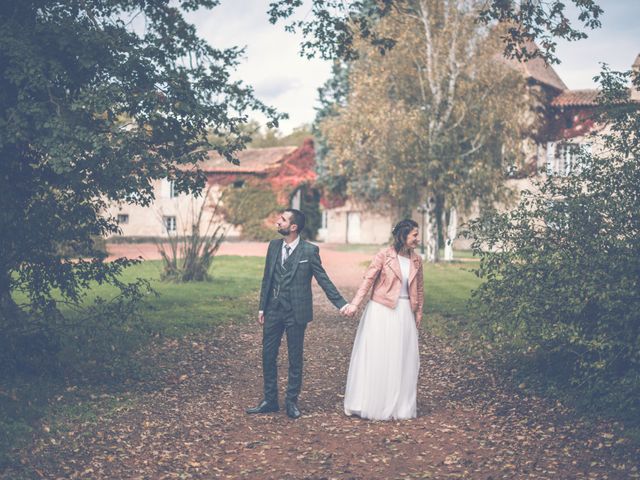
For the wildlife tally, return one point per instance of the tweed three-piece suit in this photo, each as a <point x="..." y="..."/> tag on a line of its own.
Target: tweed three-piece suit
<point x="287" y="303"/>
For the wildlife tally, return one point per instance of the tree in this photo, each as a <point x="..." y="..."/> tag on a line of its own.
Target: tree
<point x="435" y="120"/>
<point x="332" y="96"/>
<point x="332" y="27"/>
<point x="98" y="100"/>
<point x="273" y="137"/>
<point x="562" y="270"/>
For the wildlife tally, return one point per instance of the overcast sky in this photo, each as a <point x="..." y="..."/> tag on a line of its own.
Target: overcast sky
<point x="289" y="82"/>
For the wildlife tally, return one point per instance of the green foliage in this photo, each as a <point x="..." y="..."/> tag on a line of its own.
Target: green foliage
<point x="269" y="136"/>
<point x="98" y="333"/>
<point x="249" y="207"/>
<point x="272" y="137"/>
<point x="310" y="205"/>
<point x="94" y="247"/>
<point x="562" y="270"/>
<point x="331" y="26"/>
<point x="331" y="96"/>
<point x="94" y="109"/>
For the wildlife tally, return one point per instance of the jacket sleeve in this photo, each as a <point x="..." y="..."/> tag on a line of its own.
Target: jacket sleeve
<point x="420" y="285"/>
<point x="324" y="281"/>
<point x="265" y="280"/>
<point x="369" y="277"/>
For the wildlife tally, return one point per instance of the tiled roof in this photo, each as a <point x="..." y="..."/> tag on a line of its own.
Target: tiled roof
<point x="252" y="160"/>
<point x="576" y="98"/>
<point x="537" y="69"/>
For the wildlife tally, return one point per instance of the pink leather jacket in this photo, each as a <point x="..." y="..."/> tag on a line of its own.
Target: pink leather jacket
<point x="385" y="276"/>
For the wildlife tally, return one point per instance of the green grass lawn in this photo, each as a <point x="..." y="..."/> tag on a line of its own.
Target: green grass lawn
<point x="231" y="295"/>
<point x="447" y="288"/>
<point x="180" y="308"/>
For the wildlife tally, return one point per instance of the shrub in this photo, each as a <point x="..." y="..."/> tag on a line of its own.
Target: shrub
<point x="188" y="257"/>
<point x="95" y="338"/>
<point x="562" y="269"/>
<point x="249" y="207"/>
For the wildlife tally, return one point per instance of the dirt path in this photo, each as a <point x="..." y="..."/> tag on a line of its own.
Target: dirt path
<point x="189" y="422"/>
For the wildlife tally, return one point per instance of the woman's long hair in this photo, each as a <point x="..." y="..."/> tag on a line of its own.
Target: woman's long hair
<point x="401" y="231"/>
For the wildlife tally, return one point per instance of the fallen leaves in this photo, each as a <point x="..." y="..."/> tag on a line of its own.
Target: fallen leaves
<point x="188" y="421"/>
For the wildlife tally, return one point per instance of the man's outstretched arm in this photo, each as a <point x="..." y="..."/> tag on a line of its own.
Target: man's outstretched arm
<point x="324" y="281"/>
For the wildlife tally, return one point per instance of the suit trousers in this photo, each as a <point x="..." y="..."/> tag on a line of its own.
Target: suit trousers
<point x="276" y="322"/>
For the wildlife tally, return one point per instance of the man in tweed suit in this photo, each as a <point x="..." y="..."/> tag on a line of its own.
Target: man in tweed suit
<point x="286" y="305"/>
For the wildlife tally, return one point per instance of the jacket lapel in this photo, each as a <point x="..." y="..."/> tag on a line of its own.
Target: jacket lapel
<point x="393" y="262"/>
<point x="293" y="258"/>
<point x="274" y="257"/>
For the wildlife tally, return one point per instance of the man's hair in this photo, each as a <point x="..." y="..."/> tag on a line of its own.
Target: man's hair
<point x="297" y="217"/>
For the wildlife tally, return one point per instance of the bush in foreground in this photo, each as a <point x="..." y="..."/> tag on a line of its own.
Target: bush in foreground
<point x="562" y="270"/>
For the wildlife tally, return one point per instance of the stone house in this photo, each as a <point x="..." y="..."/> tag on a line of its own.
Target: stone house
<point x="287" y="169"/>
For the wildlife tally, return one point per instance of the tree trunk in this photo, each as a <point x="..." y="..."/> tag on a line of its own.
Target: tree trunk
<point x="452" y="231"/>
<point x="431" y="230"/>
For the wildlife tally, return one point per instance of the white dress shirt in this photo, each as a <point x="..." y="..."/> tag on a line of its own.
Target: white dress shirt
<point x="291" y="245"/>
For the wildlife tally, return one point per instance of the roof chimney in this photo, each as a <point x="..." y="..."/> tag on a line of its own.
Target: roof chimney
<point x="635" y="92"/>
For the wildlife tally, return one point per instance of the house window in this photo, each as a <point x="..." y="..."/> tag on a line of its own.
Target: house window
<point x="123" y="218"/>
<point x="325" y="219"/>
<point x="565" y="158"/>
<point x="238" y="184"/>
<point x="169" y="223"/>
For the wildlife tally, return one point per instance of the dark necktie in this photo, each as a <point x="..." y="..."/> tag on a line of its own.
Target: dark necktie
<point x="287" y="251"/>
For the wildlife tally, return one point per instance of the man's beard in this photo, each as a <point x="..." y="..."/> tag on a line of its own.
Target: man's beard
<point x="284" y="231"/>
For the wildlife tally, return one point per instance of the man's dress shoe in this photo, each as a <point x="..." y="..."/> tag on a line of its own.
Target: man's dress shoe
<point x="292" y="410"/>
<point x="264" y="407"/>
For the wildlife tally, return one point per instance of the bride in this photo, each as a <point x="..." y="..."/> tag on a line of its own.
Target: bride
<point x="383" y="372"/>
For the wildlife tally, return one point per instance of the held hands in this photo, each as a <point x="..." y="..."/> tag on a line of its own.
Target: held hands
<point x="348" y="310"/>
<point x="261" y="317"/>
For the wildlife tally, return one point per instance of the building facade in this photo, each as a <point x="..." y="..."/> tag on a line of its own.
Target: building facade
<point x="286" y="169"/>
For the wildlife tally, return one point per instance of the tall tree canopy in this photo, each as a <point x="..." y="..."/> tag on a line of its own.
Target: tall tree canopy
<point x="435" y="120"/>
<point x="98" y="99"/>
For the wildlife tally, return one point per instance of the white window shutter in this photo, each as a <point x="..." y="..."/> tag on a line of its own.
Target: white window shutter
<point x="551" y="157"/>
<point x="165" y="188"/>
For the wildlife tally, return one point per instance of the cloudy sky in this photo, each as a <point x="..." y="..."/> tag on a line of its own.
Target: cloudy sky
<point x="289" y="82"/>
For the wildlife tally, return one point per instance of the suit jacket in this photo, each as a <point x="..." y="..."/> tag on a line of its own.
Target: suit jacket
<point x="385" y="276"/>
<point x="305" y="262"/>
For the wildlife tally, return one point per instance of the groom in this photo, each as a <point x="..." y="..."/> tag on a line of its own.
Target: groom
<point x="286" y="305"/>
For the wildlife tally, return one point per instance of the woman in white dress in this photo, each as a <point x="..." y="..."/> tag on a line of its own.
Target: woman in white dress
<point x="383" y="372"/>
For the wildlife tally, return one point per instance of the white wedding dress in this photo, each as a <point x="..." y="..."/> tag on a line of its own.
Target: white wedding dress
<point x="385" y="361"/>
